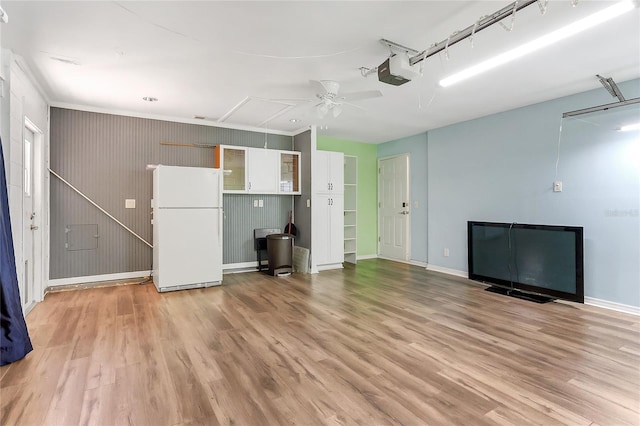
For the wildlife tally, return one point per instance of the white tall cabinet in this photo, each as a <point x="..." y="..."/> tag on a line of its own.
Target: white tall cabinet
<point x="328" y="210"/>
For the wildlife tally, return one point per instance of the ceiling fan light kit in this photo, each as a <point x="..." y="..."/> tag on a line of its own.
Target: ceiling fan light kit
<point x="331" y="101"/>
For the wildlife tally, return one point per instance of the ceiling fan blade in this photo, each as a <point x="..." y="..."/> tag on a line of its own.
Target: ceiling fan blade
<point x="290" y="100"/>
<point x="318" y="87"/>
<point x="354" y="106"/>
<point x="359" y="96"/>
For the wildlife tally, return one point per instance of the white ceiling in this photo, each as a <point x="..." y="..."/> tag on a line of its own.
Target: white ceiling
<point x="204" y="58"/>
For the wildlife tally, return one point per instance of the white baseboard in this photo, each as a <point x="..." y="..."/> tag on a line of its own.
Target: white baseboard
<point x="627" y="309"/>
<point x="367" y="256"/>
<point x="97" y="278"/>
<point x="236" y="268"/>
<point x="448" y="271"/>
<point x="329" y="266"/>
<point x="408" y="262"/>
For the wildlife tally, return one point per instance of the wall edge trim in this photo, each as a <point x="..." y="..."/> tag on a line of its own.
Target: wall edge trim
<point x="366" y="256"/>
<point x="614" y="306"/>
<point x="169" y="118"/>
<point x="448" y="271"/>
<point x="95" y="278"/>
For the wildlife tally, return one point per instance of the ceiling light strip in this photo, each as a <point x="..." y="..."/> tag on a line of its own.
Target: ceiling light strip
<point x="630" y="127"/>
<point x="601" y="108"/>
<point x="471" y="30"/>
<point x="546" y="40"/>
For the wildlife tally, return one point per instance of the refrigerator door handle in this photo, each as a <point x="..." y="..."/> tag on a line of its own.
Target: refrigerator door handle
<point x="220" y="216"/>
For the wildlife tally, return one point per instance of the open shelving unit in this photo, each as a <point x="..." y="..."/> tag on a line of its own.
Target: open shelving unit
<point x="350" y="208"/>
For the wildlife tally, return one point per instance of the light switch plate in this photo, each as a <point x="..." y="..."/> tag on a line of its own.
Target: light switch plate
<point x="260" y="203"/>
<point x="129" y="204"/>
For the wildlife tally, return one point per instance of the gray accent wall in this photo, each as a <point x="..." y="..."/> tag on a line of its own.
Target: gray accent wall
<point x="105" y="157"/>
<point x="241" y="218"/>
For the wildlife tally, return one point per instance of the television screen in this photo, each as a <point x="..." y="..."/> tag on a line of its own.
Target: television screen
<point x="534" y="258"/>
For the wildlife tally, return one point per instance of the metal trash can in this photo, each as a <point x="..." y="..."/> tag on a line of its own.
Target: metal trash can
<point x="280" y="254"/>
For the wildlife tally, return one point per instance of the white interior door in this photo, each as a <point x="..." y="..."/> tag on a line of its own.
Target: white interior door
<point x="30" y="221"/>
<point x="393" y="211"/>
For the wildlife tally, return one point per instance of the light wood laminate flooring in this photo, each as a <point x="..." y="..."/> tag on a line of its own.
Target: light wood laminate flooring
<point x="376" y="344"/>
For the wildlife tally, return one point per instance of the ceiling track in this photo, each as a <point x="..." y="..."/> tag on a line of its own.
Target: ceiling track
<point x="470" y="31"/>
<point x="601" y="107"/>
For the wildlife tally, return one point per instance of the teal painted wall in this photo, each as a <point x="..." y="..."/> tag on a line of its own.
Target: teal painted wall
<point x="367" y="234"/>
<point x="501" y="168"/>
<point x="416" y="147"/>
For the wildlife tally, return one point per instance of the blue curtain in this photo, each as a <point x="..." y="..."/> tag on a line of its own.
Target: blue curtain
<point x="15" y="343"/>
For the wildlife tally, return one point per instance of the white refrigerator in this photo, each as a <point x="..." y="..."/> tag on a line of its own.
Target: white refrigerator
<point x="187" y="227"/>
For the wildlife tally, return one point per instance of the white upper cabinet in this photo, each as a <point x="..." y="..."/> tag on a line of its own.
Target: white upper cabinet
<point x="328" y="174"/>
<point x="258" y="171"/>
<point x="289" y="172"/>
<point x="263" y="167"/>
<point x="233" y="162"/>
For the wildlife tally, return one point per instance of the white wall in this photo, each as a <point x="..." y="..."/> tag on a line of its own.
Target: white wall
<point x="24" y="101"/>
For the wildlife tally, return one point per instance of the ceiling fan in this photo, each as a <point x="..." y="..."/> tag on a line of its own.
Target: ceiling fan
<point x="332" y="102"/>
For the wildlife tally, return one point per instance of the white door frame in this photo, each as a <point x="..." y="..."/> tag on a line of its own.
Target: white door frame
<point x="408" y="227"/>
<point x="39" y="197"/>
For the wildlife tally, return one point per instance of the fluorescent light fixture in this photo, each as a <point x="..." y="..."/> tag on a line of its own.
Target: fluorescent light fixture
<point x="546" y="40"/>
<point x="630" y="127"/>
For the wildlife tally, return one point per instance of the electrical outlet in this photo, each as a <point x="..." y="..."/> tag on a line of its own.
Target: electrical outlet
<point x="260" y="203"/>
<point x="557" y="186"/>
<point x="446" y="252"/>
<point x="255" y="203"/>
<point x="129" y="204"/>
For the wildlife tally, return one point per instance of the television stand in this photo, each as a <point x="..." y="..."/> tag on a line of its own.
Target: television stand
<point x="531" y="297"/>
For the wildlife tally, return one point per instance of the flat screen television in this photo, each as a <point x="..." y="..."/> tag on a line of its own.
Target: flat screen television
<point x="536" y="262"/>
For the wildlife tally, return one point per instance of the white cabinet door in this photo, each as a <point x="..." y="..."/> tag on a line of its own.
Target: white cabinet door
<point x="336" y="172"/>
<point x="322" y="226"/>
<point x="321" y="172"/>
<point x="263" y="170"/>
<point x="233" y="162"/>
<point x="328" y="173"/>
<point x="329" y="226"/>
<point x="290" y="174"/>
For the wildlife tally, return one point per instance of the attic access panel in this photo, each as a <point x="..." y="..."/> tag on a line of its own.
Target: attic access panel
<point x="256" y="111"/>
<point x="81" y="237"/>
